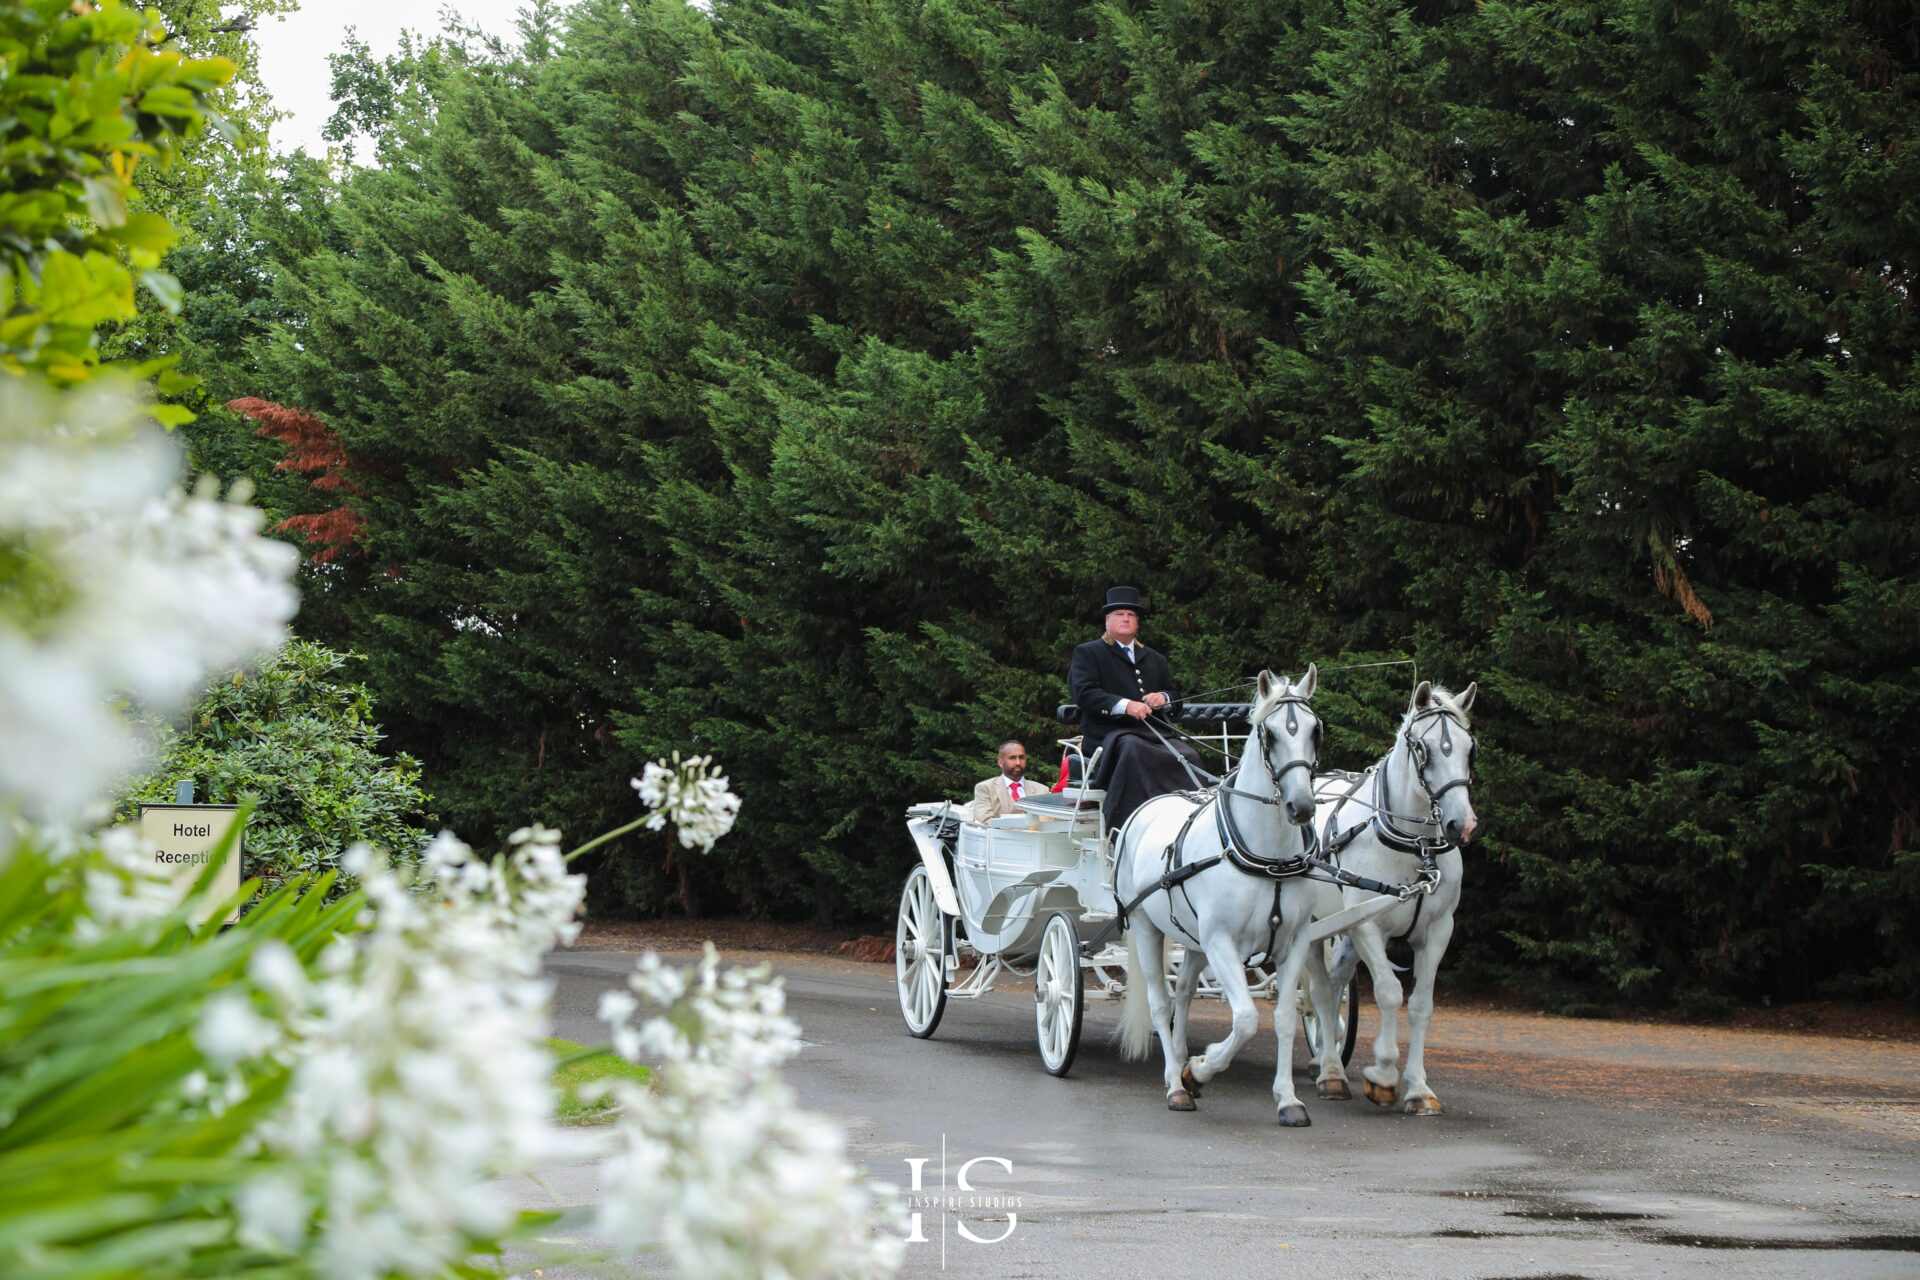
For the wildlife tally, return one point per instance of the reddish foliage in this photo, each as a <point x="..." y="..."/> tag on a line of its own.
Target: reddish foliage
<point x="336" y="531"/>
<point x="871" y="948"/>
<point x="313" y="449"/>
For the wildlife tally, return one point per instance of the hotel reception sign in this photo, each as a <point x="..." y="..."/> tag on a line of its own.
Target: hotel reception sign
<point x="183" y="838"/>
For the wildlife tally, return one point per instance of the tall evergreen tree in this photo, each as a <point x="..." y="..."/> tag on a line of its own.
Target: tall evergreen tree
<point x="790" y="381"/>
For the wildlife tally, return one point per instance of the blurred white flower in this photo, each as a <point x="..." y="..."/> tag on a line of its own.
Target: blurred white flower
<point x="420" y="1070"/>
<point x="617" y="1010"/>
<point x="718" y="1167"/>
<point x="693" y="795"/>
<point x="273" y="1213"/>
<point x="113" y="869"/>
<point x="119" y="585"/>
<point x="616" y="1006"/>
<point x="276" y="970"/>
<point x="230" y="1031"/>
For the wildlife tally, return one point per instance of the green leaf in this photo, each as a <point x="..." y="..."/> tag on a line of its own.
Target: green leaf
<point x="165" y="288"/>
<point x="106" y="199"/>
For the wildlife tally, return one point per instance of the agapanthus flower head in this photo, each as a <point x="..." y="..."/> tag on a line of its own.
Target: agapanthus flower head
<point x="692" y="794"/>
<point x="114" y="583"/>
<point x="717" y="1166"/>
<point x="419" y="1068"/>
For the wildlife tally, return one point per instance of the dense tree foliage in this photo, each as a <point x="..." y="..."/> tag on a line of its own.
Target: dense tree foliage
<point x="91" y="99"/>
<point x="790" y="380"/>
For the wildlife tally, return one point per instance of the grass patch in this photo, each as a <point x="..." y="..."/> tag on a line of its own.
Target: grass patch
<point x="572" y="1075"/>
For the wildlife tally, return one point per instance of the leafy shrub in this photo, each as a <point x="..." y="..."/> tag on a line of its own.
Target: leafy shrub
<point x="91" y="92"/>
<point x="295" y="733"/>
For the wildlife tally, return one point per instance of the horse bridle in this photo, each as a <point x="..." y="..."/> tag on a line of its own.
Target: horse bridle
<point x="1292" y="702"/>
<point x="1422" y="754"/>
<point x="1389" y="833"/>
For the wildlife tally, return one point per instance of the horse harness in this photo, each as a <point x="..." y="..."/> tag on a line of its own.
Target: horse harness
<point x="1382" y="821"/>
<point x="1234" y="847"/>
<point x="1310" y="860"/>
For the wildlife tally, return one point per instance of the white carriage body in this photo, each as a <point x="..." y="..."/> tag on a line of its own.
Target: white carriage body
<point x="1011" y="873"/>
<point x="1014" y="871"/>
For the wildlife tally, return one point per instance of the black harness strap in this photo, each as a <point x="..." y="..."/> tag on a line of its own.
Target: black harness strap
<point x="1171" y="879"/>
<point x="1426" y="848"/>
<point x="1413" y="924"/>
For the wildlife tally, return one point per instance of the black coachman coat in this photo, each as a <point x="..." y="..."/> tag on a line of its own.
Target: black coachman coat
<point x="1101" y="675"/>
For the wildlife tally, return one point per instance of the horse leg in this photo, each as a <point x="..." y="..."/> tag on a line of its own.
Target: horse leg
<point x="1426" y="965"/>
<point x="1286" y="1011"/>
<point x="1224" y="955"/>
<point x="1382" y="1079"/>
<point x="1346" y="959"/>
<point x="1191" y="967"/>
<point x="1331" y="1080"/>
<point x="1150" y="945"/>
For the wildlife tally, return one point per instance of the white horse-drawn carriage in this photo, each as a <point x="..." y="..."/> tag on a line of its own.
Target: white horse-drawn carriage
<point x="1225" y="891"/>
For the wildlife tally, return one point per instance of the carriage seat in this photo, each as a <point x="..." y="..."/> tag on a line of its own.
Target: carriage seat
<point x="1076" y="794"/>
<point x="1050" y="804"/>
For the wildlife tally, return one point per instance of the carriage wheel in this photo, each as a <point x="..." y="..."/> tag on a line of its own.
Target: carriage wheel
<point x="921" y="940"/>
<point x="1059" y="994"/>
<point x="1346" y="1010"/>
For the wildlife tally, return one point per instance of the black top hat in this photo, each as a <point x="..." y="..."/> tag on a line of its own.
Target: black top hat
<point x="1121" y="598"/>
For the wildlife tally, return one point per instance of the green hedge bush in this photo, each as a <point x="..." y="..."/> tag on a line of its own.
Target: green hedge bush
<point x="296" y="734"/>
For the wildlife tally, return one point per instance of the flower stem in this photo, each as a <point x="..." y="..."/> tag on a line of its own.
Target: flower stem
<point x="615" y="834"/>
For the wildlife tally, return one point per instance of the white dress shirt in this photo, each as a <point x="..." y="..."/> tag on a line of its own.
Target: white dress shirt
<point x="1120" y="707"/>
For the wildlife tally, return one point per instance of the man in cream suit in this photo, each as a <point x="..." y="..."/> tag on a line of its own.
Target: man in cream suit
<point x="995" y="797"/>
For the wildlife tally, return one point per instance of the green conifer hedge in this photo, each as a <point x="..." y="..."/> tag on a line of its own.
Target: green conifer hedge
<point x="790" y="380"/>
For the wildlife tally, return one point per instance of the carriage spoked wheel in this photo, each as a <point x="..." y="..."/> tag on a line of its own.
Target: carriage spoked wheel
<point x="1346" y="1012"/>
<point x="1059" y="994"/>
<point x="921" y="940"/>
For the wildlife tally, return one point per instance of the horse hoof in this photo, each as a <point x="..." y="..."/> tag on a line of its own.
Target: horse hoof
<point x="1294" y="1116"/>
<point x="1382" y="1095"/>
<point x="1187" y="1081"/>
<point x="1424" y="1105"/>
<point x="1335" y="1090"/>
<point x="1180" y="1100"/>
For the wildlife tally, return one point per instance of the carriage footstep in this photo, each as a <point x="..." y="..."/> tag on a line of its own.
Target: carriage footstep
<point x="1294" y="1116"/>
<point x="1180" y="1100"/>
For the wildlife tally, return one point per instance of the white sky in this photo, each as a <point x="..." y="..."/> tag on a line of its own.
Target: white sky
<point x="294" y="49"/>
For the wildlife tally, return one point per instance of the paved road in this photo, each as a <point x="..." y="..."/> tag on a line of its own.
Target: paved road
<point x="1569" y="1149"/>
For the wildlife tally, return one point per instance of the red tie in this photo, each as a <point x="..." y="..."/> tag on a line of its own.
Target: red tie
<point x="1015" y="788"/>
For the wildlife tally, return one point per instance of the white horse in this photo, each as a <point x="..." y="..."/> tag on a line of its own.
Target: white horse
<point x="1178" y="865"/>
<point x="1411" y="810"/>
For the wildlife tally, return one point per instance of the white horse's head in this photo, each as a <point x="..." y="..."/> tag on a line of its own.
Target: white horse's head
<point x="1286" y="738"/>
<point x="1440" y="745"/>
